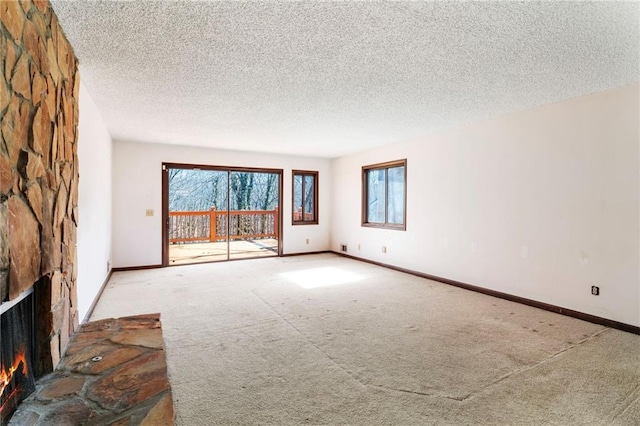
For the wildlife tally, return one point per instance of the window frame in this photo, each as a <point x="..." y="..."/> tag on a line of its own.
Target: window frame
<point x="304" y="173"/>
<point x="365" y="195"/>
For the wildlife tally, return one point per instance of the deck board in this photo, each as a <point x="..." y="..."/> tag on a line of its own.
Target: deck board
<point x="180" y="254"/>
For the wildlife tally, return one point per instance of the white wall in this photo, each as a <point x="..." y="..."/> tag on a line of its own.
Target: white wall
<point x="94" y="202"/>
<point x="541" y="204"/>
<point x="137" y="186"/>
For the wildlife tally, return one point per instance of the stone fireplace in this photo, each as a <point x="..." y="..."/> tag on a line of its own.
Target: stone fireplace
<point x="39" y="86"/>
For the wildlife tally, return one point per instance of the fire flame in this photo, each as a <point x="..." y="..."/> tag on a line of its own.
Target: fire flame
<point x="6" y="374"/>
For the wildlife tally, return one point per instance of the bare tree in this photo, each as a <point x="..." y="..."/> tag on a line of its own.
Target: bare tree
<point x="200" y="190"/>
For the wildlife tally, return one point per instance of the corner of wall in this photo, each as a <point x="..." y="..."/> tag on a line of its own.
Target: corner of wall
<point x="95" y="203"/>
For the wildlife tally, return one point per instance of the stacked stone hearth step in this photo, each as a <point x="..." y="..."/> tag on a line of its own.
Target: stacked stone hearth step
<point x="114" y="373"/>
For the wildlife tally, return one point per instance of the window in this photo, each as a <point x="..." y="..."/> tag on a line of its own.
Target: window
<point x="384" y="195"/>
<point x="305" y="198"/>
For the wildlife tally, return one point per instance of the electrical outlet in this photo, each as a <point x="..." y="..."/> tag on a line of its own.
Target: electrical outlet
<point x="343" y="247"/>
<point x="384" y="249"/>
<point x="307" y="241"/>
<point x="595" y="290"/>
<point x="149" y="212"/>
<point x="358" y="246"/>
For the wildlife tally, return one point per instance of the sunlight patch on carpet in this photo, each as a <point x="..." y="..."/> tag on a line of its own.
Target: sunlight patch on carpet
<point x="321" y="277"/>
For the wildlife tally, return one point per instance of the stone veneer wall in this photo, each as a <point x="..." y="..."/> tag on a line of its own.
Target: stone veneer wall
<point x="39" y="86"/>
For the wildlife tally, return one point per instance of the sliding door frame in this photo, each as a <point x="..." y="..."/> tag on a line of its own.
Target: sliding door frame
<point x="229" y="169"/>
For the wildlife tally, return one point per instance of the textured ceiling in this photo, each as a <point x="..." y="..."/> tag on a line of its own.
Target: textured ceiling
<point x="330" y="78"/>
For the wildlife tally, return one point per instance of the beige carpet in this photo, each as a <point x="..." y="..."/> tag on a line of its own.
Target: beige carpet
<point x="321" y="339"/>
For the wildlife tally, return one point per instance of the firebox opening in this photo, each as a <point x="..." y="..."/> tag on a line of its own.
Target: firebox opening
<point x="17" y="380"/>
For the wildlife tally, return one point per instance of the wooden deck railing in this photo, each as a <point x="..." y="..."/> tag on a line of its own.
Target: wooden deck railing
<point x="297" y="215"/>
<point x="211" y="226"/>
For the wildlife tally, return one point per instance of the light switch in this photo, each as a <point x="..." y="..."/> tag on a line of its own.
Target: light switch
<point x="149" y="212"/>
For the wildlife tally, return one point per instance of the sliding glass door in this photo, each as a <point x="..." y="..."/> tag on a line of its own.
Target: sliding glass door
<point x="253" y="214"/>
<point x="214" y="213"/>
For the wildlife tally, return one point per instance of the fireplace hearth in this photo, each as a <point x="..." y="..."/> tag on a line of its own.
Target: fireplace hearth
<point x="17" y="380"/>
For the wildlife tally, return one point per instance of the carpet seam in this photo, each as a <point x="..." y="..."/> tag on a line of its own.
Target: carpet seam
<point x="465" y="398"/>
<point x="624" y="407"/>
<point x="531" y="367"/>
<point x="433" y="395"/>
<point x="308" y="341"/>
